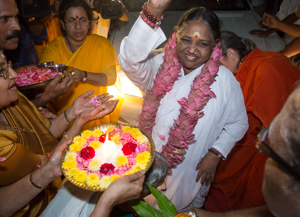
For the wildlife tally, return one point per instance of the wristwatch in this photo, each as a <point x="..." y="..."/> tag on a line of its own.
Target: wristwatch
<point x="85" y="76"/>
<point x="219" y="155"/>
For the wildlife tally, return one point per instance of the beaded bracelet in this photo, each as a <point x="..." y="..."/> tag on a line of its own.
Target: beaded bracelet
<point x="149" y="18"/>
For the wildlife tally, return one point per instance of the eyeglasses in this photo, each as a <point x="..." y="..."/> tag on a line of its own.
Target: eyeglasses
<point x="82" y="22"/>
<point x="4" y="72"/>
<point x="262" y="146"/>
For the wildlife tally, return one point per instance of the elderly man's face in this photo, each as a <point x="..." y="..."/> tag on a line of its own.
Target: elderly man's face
<point x="9" y="25"/>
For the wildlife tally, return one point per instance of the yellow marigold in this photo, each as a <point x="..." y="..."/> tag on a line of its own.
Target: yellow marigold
<point x="86" y="133"/>
<point x="127" y="129"/>
<point x="135" y="132"/>
<point x="72" y="172"/>
<point x="79" y="140"/>
<point x="105" y="182"/>
<point x="114" y="177"/>
<point x="95" y="144"/>
<point x="69" y="164"/>
<point x="92" y="180"/>
<point x="129" y="172"/>
<point x="75" y="147"/>
<point x="94" y="165"/>
<point x="70" y="155"/>
<point x="110" y="128"/>
<point x="141" y="139"/>
<point x="143" y="158"/>
<point x="116" y="138"/>
<point x="97" y="133"/>
<point x="121" y="160"/>
<point x="142" y="166"/>
<point x="137" y="167"/>
<point x="81" y="176"/>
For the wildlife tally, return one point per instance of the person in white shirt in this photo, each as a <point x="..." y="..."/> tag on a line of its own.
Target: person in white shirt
<point x="193" y="108"/>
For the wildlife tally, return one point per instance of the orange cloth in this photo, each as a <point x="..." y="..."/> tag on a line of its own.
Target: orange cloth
<point x="267" y="79"/>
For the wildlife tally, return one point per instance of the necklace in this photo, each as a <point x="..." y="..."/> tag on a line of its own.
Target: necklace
<point x="24" y="128"/>
<point x="191" y="109"/>
<point x="69" y="44"/>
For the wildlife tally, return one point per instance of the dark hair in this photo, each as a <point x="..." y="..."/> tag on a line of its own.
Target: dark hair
<point x="231" y="40"/>
<point x="200" y="14"/>
<point x="66" y="4"/>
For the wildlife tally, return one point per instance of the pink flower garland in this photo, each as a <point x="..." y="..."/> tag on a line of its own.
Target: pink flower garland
<point x="190" y="111"/>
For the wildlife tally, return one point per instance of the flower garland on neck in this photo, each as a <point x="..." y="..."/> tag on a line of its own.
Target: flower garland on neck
<point x="181" y="132"/>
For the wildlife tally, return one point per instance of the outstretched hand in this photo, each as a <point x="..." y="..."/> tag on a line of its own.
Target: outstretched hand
<point x="259" y="33"/>
<point x="83" y="102"/>
<point x="207" y="168"/>
<point x="98" y="112"/>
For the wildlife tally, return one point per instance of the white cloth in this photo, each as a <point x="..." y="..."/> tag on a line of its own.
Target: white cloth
<point x="226" y="111"/>
<point x="288" y="7"/>
<point x="71" y="201"/>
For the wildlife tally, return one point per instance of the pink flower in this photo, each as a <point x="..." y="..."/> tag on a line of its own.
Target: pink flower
<point x="94" y="101"/>
<point x="2" y="159"/>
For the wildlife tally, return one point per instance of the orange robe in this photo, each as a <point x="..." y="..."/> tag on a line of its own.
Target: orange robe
<point x="267" y="79"/>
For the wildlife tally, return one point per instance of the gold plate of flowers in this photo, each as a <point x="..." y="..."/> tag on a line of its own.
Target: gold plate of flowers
<point x="98" y="156"/>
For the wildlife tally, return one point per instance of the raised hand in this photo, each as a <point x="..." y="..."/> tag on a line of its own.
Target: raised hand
<point x="270" y="21"/>
<point x="157" y="7"/>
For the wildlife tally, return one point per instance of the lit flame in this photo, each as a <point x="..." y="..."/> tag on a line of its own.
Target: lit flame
<point x="109" y="148"/>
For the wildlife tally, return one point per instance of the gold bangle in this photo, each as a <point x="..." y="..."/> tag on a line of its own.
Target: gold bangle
<point x="66" y="136"/>
<point x="66" y="117"/>
<point x="35" y="185"/>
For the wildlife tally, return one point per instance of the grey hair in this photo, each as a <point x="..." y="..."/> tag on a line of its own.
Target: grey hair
<point x="157" y="172"/>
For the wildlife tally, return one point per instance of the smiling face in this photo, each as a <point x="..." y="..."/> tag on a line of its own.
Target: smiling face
<point x="76" y="24"/>
<point x="9" y="25"/>
<point x="8" y="89"/>
<point x="194" y="45"/>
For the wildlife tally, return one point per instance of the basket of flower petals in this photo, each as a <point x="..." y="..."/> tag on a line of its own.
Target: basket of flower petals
<point x="30" y="78"/>
<point x="98" y="156"/>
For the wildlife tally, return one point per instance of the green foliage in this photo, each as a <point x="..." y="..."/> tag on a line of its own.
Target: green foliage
<point x="145" y="210"/>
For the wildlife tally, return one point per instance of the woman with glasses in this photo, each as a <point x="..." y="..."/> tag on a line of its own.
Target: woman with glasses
<point x="266" y="79"/>
<point x="26" y="137"/>
<point x="91" y="57"/>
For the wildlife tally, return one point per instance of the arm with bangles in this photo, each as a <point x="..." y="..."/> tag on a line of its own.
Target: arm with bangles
<point x="15" y="196"/>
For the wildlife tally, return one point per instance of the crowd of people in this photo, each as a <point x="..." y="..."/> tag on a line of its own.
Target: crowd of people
<point x="211" y="100"/>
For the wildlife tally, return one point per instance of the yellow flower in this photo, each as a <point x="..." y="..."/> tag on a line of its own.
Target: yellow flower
<point x="129" y="172"/>
<point x="97" y="133"/>
<point x="81" y="176"/>
<point x="105" y="182"/>
<point x="141" y="139"/>
<point x="114" y="177"/>
<point x="92" y="180"/>
<point x="69" y="164"/>
<point x="110" y="128"/>
<point x="116" y="138"/>
<point x="72" y="172"/>
<point x="135" y="132"/>
<point x="86" y="134"/>
<point x="141" y="166"/>
<point x="70" y="155"/>
<point x="137" y="167"/>
<point x="75" y="147"/>
<point x="121" y="160"/>
<point x="95" y="144"/>
<point x="127" y="129"/>
<point x="143" y="158"/>
<point x="79" y="140"/>
<point x="94" y="165"/>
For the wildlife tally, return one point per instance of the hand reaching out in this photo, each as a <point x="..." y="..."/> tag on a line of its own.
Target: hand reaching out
<point x="157" y="7"/>
<point x="207" y="168"/>
<point x="270" y="21"/>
